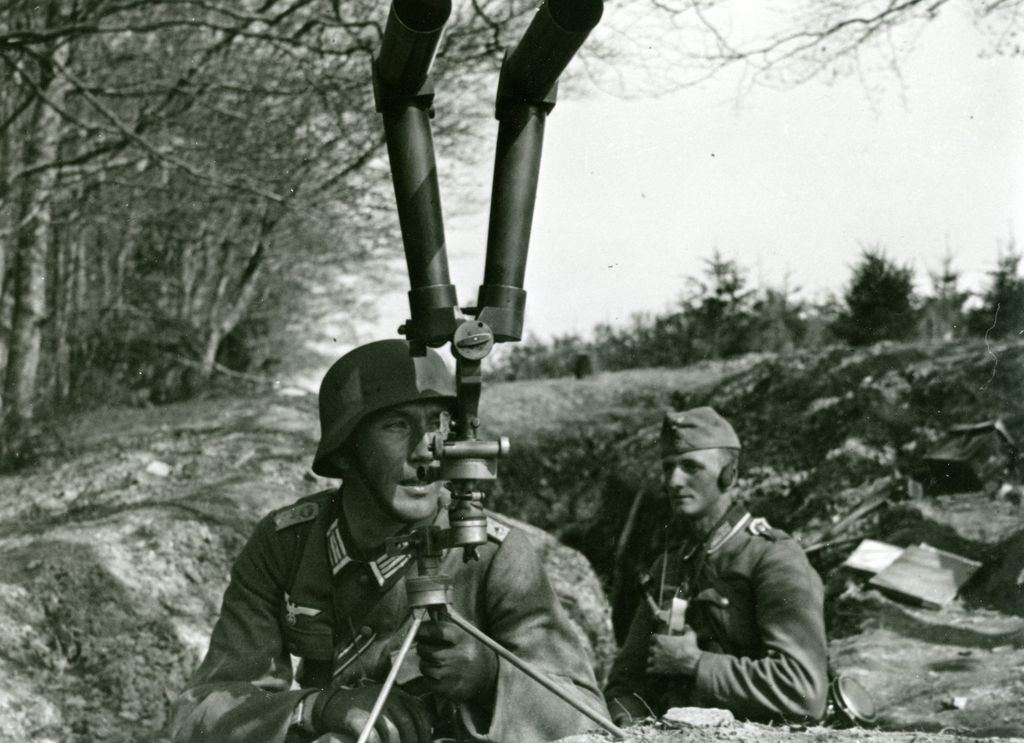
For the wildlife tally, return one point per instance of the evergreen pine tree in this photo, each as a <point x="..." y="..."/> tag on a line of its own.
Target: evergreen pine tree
<point x="1002" y="312"/>
<point x="879" y="301"/>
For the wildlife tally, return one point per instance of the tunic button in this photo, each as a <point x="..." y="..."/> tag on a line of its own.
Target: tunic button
<point x="725" y="601"/>
<point x="365" y="631"/>
<point x="364" y="579"/>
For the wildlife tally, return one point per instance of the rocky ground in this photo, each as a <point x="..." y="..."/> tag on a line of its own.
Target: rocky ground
<point x="116" y="540"/>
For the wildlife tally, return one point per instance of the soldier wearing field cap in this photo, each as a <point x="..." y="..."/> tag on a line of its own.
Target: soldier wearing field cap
<point x="733" y="616"/>
<point x="314" y="583"/>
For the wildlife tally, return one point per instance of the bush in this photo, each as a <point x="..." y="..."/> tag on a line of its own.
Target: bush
<point x="1002" y="312"/>
<point x="717" y="317"/>
<point x="879" y="302"/>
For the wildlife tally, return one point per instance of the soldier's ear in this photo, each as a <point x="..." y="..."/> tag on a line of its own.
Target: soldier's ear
<point x="727" y="476"/>
<point x="730" y="469"/>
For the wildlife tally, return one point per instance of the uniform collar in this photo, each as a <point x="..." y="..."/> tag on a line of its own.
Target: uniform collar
<point x="728" y="530"/>
<point x="341" y="551"/>
<point x="731" y="523"/>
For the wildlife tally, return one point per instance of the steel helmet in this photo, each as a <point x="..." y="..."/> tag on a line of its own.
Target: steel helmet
<point x="370" y="378"/>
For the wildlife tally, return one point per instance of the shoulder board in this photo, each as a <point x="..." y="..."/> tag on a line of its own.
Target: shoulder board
<point x="300" y="513"/>
<point x="497" y="531"/>
<point x="760" y="527"/>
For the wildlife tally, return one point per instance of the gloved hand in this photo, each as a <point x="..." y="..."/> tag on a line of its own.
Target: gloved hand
<point x="404" y="719"/>
<point x="456" y="665"/>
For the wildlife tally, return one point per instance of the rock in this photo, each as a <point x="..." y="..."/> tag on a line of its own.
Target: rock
<point x="244" y="458"/>
<point x="955" y="703"/>
<point x="854" y="448"/>
<point x="158" y="468"/>
<point x="822" y="403"/>
<point x="1009" y="493"/>
<point x="892" y="386"/>
<point x="698" y="717"/>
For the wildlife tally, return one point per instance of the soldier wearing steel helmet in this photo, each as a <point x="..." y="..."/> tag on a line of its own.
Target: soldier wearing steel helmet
<point x="733" y="617"/>
<point x="314" y="583"/>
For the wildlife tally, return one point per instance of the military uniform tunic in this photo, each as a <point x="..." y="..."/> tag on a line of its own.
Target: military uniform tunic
<point x="297" y="590"/>
<point x="756" y="606"/>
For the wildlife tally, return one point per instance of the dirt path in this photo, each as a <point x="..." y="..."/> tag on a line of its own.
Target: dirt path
<point x="115" y="552"/>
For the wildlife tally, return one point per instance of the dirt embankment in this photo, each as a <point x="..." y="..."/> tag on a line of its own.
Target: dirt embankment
<point x="115" y="550"/>
<point x="821" y="432"/>
<point x="115" y="544"/>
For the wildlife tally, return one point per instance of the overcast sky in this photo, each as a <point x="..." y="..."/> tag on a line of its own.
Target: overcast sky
<point x="634" y="193"/>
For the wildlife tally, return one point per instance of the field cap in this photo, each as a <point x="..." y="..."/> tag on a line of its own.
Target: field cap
<point x="699" y="428"/>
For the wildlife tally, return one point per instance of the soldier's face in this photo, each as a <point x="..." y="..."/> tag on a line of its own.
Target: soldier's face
<point x="691" y="481"/>
<point x="390" y="447"/>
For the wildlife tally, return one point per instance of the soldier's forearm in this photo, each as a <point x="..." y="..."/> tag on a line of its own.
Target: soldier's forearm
<point x="777" y="688"/>
<point x="210" y="714"/>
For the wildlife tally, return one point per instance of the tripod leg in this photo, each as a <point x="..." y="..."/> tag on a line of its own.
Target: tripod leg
<point x="533" y="673"/>
<point x="417" y="619"/>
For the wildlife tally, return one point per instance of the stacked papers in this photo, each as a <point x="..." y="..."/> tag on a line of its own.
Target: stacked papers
<point x="921" y="572"/>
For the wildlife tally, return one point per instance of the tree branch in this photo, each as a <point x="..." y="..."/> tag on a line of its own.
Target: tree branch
<point x="19" y="109"/>
<point x="156" y="152"/>
<point x="40" y="92"/>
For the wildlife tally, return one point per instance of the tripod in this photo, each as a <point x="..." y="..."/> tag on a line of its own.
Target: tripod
<point x="430" y="597"/>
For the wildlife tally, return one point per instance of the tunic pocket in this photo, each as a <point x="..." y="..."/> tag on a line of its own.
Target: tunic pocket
<point x="728" y="607"/>
<point x="712" y="597"/>
<point x="313" y="643"/>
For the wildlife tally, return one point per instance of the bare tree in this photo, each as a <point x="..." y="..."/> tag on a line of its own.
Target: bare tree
<point x="169" y="165"/>
<point x="789" y="42"/>
<point x="34" y="213"/>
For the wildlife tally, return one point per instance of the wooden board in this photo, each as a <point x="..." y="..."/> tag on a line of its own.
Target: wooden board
<point x="872" y="556"/>
<point x="926" y="574"/>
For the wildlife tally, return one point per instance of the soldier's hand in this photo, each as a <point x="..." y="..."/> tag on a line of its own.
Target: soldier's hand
<point x="404" y="719"/>
<point x="454" y="664"/>
<point x="674" y="654"/>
